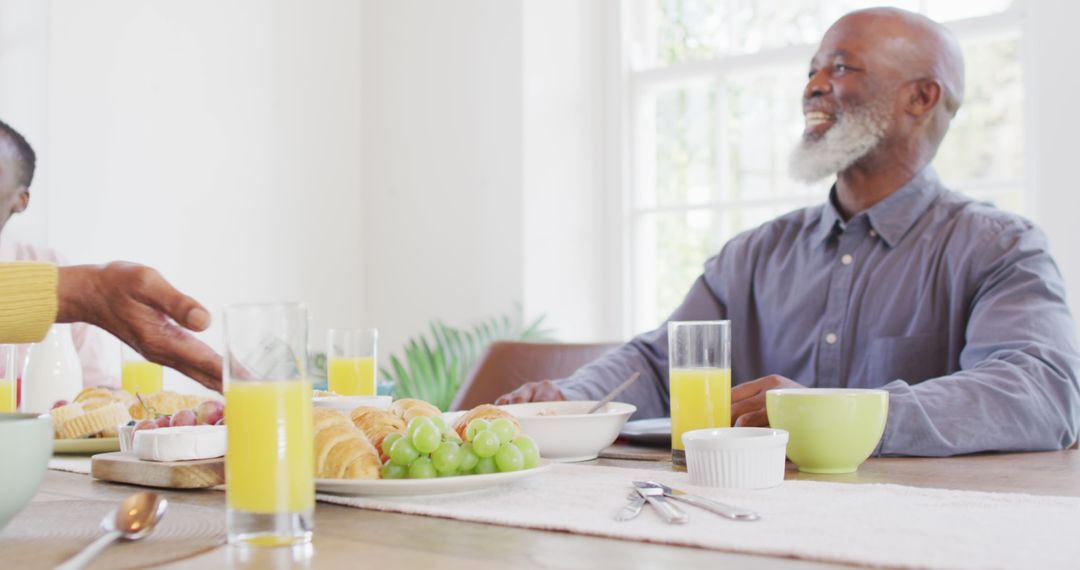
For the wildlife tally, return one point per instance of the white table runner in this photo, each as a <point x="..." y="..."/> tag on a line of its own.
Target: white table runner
<point x="70" y="464"/>
<point x="879" y="525"/>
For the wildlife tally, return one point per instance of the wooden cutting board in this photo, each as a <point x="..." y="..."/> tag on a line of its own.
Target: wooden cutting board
<point x="126" y="468"/>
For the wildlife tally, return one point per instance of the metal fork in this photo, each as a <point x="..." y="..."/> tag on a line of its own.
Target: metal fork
<point x="669" y="512"/>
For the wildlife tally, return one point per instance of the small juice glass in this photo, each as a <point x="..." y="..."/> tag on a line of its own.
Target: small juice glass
<point x="352" y="361"/>
<point x="270" y="459"/>
<point x="9" y="378"/>
<point x="699" y="356"/>
<point x="138" y="375"/>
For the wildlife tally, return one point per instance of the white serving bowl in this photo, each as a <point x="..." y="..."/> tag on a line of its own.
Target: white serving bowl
<point x="568" y="433"/>
<point x="349" y="403"/>
<point x="736" y="458"/>
<point x="27" y="443"/>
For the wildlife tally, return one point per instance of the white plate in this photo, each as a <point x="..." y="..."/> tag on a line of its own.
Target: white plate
<point x="349" y="403"/>
<point x="436" y="486"/>
<point x="86" y="446"/>
<point x="653" y="431"/>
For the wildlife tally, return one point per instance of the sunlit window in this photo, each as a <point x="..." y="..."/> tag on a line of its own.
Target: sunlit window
<point x="715" y="103"/>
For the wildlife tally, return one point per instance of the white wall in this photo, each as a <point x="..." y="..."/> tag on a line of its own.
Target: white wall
<point x="1051" y="43"/>
<point x="567" y="216"/>
<point x="24" y="91"/>
<point x="216" y="141"/>
<point x="442" y="163"/>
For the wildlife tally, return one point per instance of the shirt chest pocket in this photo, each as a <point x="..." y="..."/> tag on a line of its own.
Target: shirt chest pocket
<point x="909" y="358"/>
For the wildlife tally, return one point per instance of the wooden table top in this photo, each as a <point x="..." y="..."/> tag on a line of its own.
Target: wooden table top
<point x="348" y="537"/>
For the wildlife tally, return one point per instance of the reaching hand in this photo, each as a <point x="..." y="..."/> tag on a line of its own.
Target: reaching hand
<point x="543" y="391"/>
<point x="139" y="307"/>
<point x="748" y="400"/>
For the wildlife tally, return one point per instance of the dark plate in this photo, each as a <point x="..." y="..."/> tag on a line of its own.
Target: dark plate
<point x="653" y="431"/>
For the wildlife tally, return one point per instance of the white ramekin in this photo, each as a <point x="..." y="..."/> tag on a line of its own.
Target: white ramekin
<point x="736" y="458"/>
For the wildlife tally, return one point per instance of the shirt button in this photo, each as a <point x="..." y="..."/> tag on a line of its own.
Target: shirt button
<point x="847" y="259"/>
<point x="830" y="338"/>
<point x="873" y="233"/>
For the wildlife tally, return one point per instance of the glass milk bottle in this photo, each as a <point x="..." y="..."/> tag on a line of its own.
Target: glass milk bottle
<point x="52" y="372"/>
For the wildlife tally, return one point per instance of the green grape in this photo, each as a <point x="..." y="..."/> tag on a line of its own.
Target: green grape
<point x="474" y="427"/>
<point x="504" y="428"/>
<point x="439" y="423"/>
<point x="447" y="458"/>
<point x="453" y="473"/>
<point x="468" y="458"/>
<point x="509" y="458"/>
<point x="485" y="443"/>
<point x="426" y="438"/>
<point x="422" y="469"/>
<point x="529" y="450"/>
<point x="393" y="471"/>
<point x="403" y="453"/>
<point x="485" y="465"/>
<point x="415" y="424"/>
<point x="388" y="442"/>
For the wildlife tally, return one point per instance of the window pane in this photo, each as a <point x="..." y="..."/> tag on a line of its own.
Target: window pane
<point x="763" y="122"/>
<point x="685" y="139"/>
<point x="673" y="249"/>
<point x="691" y="30"/>
<point x="985" y="140"/>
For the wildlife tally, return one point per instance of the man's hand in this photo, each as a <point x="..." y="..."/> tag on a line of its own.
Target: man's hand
<point x="543" y="391"/>
<point x="136" y="304"/>
<point x="748" y="400"/>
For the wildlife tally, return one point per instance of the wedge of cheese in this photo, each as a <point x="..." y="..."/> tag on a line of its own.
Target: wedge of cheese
<point x="182" y="443"/>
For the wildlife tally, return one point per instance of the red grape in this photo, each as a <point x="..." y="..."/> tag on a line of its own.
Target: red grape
<point x="59" y="403"/>
<point x="145" y="424"/>
<point x="183" y="418"/>
<point x="209" y="412"/>
<point x="164" y="421"/>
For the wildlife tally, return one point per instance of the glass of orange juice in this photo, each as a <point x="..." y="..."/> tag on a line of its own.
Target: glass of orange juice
<point x="9" y="378"/>
<point x="270" y="460"/>
<point x="137" y="374"/>
<point x="699" y="358"/>
<point x="351" y="361"/>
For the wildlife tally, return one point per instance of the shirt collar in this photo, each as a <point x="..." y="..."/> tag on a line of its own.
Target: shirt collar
<point x="892" y="217"/>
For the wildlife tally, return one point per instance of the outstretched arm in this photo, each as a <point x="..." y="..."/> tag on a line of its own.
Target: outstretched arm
<point x="138" y="306"/>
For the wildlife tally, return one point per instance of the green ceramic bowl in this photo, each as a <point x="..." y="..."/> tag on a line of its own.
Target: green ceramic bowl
<point x="26" y="441"/>
<point x="832" y="430"/>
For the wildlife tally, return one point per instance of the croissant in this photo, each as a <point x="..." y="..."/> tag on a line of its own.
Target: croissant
<point x="484" y="412"/>
<point x="341" y="450"/>
<point x="376" y="425"/>
<point x="409" y="408"/>
<point x="165" y="403"/>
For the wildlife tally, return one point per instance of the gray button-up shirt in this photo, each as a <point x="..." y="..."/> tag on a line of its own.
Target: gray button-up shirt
<point x="956" y="308"/>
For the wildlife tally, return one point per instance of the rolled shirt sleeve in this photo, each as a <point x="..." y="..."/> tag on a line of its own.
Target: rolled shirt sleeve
<point x="28" y="301"/>
<point x="1017" y="388"/>
<point x="648" y="354"/>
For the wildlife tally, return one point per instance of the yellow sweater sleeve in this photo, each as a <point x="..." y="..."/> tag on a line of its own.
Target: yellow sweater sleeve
<point x="27" y="301"/>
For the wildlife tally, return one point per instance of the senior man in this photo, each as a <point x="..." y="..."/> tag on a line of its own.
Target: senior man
<point x="956" y="308"/>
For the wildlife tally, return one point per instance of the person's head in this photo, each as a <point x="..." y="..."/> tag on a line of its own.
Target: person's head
<point x="17" y="162"/>
<point x="883" y="86"/>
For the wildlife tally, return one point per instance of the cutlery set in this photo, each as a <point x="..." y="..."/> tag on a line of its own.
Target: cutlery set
<point x="658" y="495"/>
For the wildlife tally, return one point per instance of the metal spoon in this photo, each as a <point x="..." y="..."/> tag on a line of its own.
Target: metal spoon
<point x="133" y="519"/>
<point x="611" y="395"/>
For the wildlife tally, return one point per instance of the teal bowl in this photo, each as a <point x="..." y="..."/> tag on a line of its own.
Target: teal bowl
<point x="26" y="440"/>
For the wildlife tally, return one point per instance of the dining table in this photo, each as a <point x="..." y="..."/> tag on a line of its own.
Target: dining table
<point x="347" y="537"/>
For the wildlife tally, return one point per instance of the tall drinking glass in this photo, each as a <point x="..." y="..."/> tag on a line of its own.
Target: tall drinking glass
<point x="9" y="378"/>
<point x="137" y="374"/>
<point x="270" y="459"/>
<point x="351" y="361"/>
<point x="699" y="355"/>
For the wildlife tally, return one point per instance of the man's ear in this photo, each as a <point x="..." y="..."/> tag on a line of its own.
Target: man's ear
<point x="22" y="201"/>
<point x="925" y="94"/>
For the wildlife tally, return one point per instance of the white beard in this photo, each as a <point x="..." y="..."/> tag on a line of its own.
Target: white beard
<point x="852" y="137"/>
